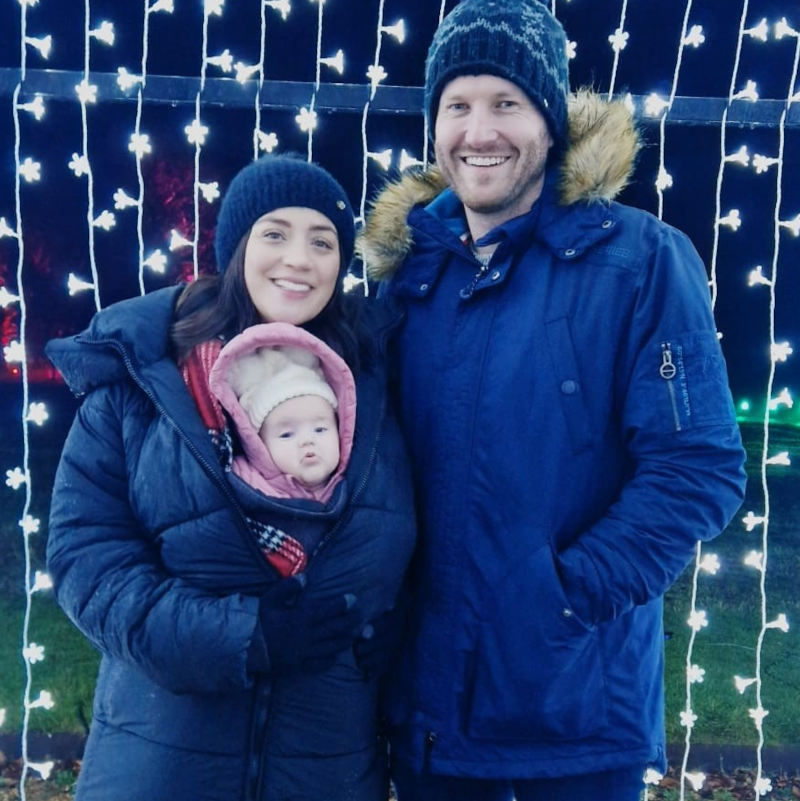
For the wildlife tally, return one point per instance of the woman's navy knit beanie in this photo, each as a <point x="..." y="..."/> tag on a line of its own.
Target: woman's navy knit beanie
<point x="274" y="182"/>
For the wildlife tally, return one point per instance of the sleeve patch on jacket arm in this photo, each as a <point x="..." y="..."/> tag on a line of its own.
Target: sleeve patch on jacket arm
<point x="683" y="384"/>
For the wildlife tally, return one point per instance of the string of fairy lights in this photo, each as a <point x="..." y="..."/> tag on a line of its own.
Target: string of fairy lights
<point x="20" y="476"/>
<point x="697" y="618"/>
<point x="196" y="134"/>
<point x="777" y="353"/>
<point x="274" y="13"/>
<point x="617" y="40"/>
<point x="80" y="164"/>
<point x="741" y="158"/>
<point x="661" y="108"/>
<point x="695" y="673"/>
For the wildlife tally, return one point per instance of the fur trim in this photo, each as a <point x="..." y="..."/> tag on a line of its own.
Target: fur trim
<point x="603" y="144"/>
<point x="385" y="240"/>
<point x="602" y="150"/>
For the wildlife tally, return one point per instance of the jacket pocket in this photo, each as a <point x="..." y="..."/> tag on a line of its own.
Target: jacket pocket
<point x="568" y="385"/>
<point x="685" y="383"/>
<point x="538" y="671"/>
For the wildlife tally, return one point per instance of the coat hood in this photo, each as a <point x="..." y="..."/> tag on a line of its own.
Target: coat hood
<point x="257" y="467"/>
<point x="601" y="152"/>
<point x="135" y="330"/>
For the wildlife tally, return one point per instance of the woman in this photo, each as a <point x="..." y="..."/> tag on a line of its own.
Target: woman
<point x="240" y="634"/>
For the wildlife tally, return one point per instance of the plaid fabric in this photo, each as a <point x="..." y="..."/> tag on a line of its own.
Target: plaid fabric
<point x="282" y="551"/>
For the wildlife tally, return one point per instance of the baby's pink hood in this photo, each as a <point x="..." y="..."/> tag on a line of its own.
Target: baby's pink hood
<point x="257" y="467"/>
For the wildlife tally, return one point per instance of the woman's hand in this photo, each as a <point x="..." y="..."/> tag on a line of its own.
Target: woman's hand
<point x="302" y="635"/>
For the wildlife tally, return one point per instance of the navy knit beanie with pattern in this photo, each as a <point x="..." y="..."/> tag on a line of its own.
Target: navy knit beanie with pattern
<point x="519" y="40"/>
<point x="274" y="182"/>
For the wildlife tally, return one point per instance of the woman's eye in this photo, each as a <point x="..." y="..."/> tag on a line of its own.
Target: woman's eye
<point x="322" y="243"/>
<point x="272" y="234"/>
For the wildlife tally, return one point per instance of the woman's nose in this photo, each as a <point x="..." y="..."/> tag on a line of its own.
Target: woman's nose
<point x="295" y="253"/>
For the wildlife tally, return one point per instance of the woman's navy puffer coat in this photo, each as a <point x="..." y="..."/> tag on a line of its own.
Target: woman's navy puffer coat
<point x="153" y="561"/>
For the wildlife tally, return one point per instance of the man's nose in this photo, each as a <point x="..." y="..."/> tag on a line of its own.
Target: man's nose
<point x="480" y="130"/>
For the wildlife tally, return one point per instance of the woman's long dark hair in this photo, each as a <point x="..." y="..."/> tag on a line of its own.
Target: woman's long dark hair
<point x="219" y="307"/>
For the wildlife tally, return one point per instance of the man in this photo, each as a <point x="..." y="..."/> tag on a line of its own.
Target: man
<point x="566" y="404"/>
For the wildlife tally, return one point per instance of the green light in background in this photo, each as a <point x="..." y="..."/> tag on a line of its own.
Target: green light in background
<point x="744" y="405"/>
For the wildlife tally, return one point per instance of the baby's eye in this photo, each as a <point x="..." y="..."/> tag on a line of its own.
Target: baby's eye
<point x="320" y="429"/>
<point x="285" y="435"/>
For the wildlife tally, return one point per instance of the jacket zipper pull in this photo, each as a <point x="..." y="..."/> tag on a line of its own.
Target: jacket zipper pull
<point x="467" y="291"/>
<point x="667" y="370"/>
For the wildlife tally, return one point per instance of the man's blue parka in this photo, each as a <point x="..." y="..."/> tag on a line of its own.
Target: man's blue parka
<point x="153" y="561"/>
<point x="573" y="437"/>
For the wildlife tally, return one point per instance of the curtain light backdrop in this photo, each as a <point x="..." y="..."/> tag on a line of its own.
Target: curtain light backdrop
<point x="122" y="124"/>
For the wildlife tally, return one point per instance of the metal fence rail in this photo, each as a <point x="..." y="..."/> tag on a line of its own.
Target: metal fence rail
<point x="351" y="98"/>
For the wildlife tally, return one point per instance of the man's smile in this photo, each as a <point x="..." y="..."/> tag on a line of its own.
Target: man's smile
<point x="485" y="161"/>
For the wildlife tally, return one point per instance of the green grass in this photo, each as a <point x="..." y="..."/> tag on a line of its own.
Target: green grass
<point x="732" y="601"/>
<point x="68" y="670"/>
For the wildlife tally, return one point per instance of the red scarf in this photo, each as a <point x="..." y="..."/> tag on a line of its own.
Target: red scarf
<point x="286" y="555"/>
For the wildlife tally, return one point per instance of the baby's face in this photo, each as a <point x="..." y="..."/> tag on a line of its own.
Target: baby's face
<point x="302" y="437"/>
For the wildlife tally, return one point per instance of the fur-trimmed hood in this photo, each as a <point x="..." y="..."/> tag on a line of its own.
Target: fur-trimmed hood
<point x="600" y="156"/>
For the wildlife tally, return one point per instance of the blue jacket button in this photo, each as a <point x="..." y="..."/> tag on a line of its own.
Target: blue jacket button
<point x="569" y="387"/>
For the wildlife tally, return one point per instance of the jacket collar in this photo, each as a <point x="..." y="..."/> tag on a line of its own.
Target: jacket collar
<point x="565" y="231"/>
<point x="127" y="334"/>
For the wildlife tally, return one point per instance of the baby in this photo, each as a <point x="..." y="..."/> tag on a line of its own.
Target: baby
<point x="292" y="402"/>
<point x="293" y="409"/>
